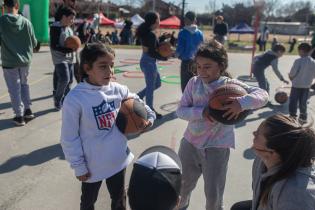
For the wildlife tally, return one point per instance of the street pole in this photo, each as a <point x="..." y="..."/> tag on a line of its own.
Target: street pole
<point x="153" y="5"/>
<point x="183" y="13"/>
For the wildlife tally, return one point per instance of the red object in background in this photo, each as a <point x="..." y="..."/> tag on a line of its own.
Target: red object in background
<point x="104" y="21"/>
<point x="172" y="22"/>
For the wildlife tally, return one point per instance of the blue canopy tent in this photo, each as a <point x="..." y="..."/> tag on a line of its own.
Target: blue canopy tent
<point x="241" y="28"/>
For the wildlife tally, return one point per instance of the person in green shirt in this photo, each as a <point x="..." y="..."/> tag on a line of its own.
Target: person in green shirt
<point x="17" y="41"/>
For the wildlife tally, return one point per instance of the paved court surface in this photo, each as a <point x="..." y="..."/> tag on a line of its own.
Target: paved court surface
<point x="35" y="176"/>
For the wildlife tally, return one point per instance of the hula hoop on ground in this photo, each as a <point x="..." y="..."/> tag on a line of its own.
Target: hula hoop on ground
<point x="133" y="74"/>
<point x="159" y="68"/>
<point x="173" y="79"/>
<point x="118" y="70"/>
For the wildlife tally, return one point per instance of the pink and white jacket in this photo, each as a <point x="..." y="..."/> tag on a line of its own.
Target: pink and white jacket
<point x="202" y="133"/>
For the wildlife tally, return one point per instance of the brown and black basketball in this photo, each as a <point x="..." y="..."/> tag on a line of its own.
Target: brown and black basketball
<point x="166" y="49"/>
<point x="132" y="116"/>
<point x="219" y="98"/>
<point x="281" y="97"/>
<point x="73" y="42"/>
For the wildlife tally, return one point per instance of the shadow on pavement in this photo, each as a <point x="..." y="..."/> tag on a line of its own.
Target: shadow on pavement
<point x="270" y="110"/>
<point x="8" y="105"/>
<point x="8" y="123"/>
<point x="168" y="117"/>
<point x="34" y="158"/>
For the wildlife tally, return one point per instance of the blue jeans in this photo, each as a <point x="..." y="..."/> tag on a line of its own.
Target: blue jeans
<point x="261" y="78"/>
<point x="16" y="80"/>
<point x="151" y="76"/>
<point x="298" y="96"/>
<point x="63" y="78"/>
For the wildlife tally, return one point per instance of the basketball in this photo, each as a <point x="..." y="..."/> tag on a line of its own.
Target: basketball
<point x="219" y="98"/>
<point x="132" y="116"/>
<point x="281" y="97"/>
<point x="166" y="49"/>
<point x="73" y="42"/>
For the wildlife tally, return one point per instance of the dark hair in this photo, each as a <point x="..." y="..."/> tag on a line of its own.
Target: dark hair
<point x="294" y="143"/>
<point x="159" y="196"/>
<point x="190" y="16"/>
<point x="149" y="19"/>
<point x="216" y="52"/>
<point x="64" y="11"/>
<point x="306" y="47"/>
<point x="10" y="3"/>
<point x="90" y="53"/>
<point x="278" y="47"/>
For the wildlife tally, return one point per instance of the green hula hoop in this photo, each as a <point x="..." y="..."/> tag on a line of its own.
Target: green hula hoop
<point x="118" y="70"/>
<point x="171" y="79"/>
<point x="159" y="68"/>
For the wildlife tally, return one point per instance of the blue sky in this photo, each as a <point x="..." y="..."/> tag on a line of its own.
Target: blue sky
<point x="199" y="5"/>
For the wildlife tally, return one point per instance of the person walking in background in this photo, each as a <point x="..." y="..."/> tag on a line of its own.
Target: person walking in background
<point x="90" y="139"/>
<point x="292" y="45"/>
<point x="205" y="147"/>
<point x="62" y="56"/>
<point x="150" y="44"/>
<point x="264" y="36"/>
<point x="189" y="39"/>
<point x="17" y="39"/>
<point x="302" y="74"/>
<point x="283" y="171"/>
<point x="220" y="30"/>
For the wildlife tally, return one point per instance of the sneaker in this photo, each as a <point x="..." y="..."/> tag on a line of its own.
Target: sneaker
<point x="302" y="121"/>
<point x="19" y="121"/>
<point x="28" y="114"/>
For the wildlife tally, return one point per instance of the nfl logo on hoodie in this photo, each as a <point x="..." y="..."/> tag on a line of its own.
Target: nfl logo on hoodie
<point x="105" y="115"/>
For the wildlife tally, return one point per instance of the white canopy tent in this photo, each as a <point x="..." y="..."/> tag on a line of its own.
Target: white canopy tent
<point x="136" y="21"/>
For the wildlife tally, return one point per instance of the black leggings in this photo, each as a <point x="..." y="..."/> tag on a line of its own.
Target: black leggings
<point x="242" y="205"/>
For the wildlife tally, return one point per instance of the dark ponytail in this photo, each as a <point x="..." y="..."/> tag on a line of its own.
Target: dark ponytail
<point x="149" y="19"/>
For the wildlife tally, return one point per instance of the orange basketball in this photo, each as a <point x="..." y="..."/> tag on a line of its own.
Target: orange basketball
<point x="166" y="49"/>
<point x="73" y="42"/>
<point x="281" y="97"/>
<point x="219" y="98"/>
<point x="132" y="116"/>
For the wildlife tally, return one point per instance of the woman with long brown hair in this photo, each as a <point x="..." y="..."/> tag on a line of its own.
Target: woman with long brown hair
<point x="284" y="171"/>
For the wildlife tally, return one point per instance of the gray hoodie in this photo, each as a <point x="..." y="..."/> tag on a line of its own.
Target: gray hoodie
<point x="17" y="41"/>
<point x="294" y="193"/>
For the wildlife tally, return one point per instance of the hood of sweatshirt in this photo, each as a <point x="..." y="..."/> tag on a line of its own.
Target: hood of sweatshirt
<point x="192" y="28"/>
<point x="13" y="23"/>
